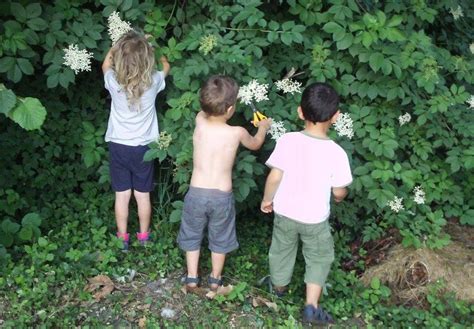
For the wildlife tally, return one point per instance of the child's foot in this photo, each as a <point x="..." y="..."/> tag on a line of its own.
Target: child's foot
<point x="315" y="315"/>
<point x="279" y="291"/>
<point x="214" y="283"/>
<point x="143" y="238"/>
<point x="125" y="238"/>
<point x="191" y="283"/>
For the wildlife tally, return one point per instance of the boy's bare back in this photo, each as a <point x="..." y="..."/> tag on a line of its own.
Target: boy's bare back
<point x="215" y="146"/>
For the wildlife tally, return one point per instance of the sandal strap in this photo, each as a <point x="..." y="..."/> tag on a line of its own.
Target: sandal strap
<point x="189" y="280"/>
<point x="212" y="280"/>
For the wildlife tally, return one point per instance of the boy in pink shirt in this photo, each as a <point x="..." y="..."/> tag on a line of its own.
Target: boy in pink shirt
<point x="306" y="167"/>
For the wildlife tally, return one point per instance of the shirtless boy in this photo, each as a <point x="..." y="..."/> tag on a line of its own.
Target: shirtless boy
<point x="209" y="202"/>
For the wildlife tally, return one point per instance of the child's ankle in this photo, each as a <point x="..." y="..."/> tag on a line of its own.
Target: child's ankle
<point x="124" y="236"/>
<point x="143" y="236"/>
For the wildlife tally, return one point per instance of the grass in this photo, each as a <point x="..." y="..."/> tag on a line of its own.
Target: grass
<point x="44" y="285"/>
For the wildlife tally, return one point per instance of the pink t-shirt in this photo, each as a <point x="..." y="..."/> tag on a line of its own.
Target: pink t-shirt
<point x="311" y="167"/>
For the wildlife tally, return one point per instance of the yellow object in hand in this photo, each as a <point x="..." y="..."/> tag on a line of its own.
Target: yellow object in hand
<point x="257" y="116"/>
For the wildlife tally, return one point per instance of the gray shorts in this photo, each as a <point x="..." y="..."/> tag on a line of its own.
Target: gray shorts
<point x="212" y="209"/>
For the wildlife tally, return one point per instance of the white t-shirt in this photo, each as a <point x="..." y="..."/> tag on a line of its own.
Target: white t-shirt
<point x="311" y="167"/>
<point x="129" y="126"/>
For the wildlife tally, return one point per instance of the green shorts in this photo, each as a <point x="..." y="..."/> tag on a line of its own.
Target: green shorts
<point x="318" y="250"/>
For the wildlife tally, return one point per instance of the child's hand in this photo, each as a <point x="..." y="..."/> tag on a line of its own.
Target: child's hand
<point x="163" y="59"/>
<point x="265" y="124"/>
<point x="266" y="206"/>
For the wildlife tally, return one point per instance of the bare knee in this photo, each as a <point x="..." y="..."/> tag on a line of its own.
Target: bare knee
<point x="141" y="196"/>
<point x="123" y="195"/>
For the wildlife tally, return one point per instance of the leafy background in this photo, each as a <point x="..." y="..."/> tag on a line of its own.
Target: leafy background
<point x="384" y="58"/>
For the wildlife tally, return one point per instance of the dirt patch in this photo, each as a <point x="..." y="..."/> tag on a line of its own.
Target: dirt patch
<point x="409" y="272"/>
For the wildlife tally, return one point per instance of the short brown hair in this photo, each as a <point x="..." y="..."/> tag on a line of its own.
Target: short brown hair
<point x="217" y="94"/>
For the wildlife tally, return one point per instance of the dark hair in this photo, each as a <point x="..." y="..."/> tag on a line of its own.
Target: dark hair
<point x="319" y="102"/>
<point x="217" y="94"/>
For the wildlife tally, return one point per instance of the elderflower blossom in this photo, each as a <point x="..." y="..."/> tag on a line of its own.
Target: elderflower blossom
<point x="276" y="130"/>
<point x="396" y="204"/>
<point x="470" y="101"/>
<point x="343" y="125"/>
<point x="471" y="48"/>
<point x="457" y="13"/>
<point x="117" y="27"/>
<point x="253" y="91"/>
<point x="419" y="195"/>
<point x="288" y="86"/>
<point x="77" y="60"/>
<point x="164" y="140"/>
<point x="403" y="119"/>
<point x="207" y="43"/>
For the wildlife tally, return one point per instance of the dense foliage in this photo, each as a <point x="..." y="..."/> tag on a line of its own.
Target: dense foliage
<point x="386" y="59"/>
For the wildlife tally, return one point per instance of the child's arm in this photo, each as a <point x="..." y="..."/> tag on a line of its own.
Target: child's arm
<point x="108" y="60"/>
<point x="271" y="186"/>
<point x="166" y="65"/>
<point x="255" y="142"/>
<point x="339" y="193"/>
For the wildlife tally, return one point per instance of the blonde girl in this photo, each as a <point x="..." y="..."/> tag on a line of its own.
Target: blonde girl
<point x="133" y="82"/>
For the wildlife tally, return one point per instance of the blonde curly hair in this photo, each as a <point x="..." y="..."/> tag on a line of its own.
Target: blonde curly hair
<point x="134" y="64"/>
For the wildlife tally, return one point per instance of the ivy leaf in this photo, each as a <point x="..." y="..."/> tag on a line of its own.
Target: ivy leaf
<point x="29" y="114"/>
<point x="7" y="101"/>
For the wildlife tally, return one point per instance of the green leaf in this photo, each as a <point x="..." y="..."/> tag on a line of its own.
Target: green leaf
<point x="6" y="64"/>
<point x="375" y="61"/>
<point x="33" y="10"/>
<point x="6" y="239"/>
<point x="332" y="28"/>
<point x="32" y="219"/>
<point x="37" y="24"/>
<point x="18" y="11"/>
<point x="10" y="227"/>
<point x="7" y="100"/>
<point x="244" y="190"/>
<point x="26" y="233"/>
<point x="42" y="242"/>
<point x="375" y="283"/>
<point x="175" y="216"/>
<point x="467" y="218"/>
<point x="29" y="114"/>
<point x="25" y="66"/>
<point x="346" y="42"/>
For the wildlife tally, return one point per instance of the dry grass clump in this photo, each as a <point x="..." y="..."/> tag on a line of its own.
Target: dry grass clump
<point x="408" y="272"/>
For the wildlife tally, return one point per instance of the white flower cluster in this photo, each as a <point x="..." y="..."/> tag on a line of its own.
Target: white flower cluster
<point x="343" y="125"/>
<point x="403" y="119"/>
<point x="470" y="101"/>
<point x="207" y="43"/>
<point x="253" y="91"/>
<point x="457" y="13"/>
<point x="277" y="129"/>
<point x="288" y="86"/>
<point x="117" y="27"/>
<point x="77" y="60"/>
<point x="396" y="204"/>
<point x="471" y="48"/>
<point x="419" y="195"/>
<point x="164" y="140"/>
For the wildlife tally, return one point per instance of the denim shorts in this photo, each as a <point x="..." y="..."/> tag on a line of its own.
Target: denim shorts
<point x="128" y="170"/>
<point x="209" y="209"/>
